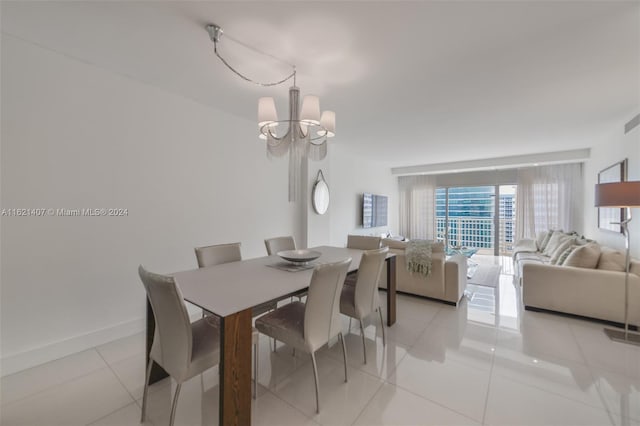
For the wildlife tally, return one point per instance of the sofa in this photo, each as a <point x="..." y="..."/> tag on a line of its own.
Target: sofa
<point x="576" y="276"/>
<point x="446" y="282"/>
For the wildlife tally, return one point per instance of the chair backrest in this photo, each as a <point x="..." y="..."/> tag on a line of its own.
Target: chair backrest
<point x="363" y="242"/>
<point x="322" y="310"/>
<point x="218" y="254"/>
<point x="366" y="298"/>
<point x="172" y="341"/>
<point x="274" y="245"/>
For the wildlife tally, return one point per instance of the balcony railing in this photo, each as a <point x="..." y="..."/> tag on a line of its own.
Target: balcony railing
<point x="477" y="232"/>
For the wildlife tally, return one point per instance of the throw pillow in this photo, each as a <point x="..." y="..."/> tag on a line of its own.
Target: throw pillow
<point x="554" y="241"/>
<point x="564" y="245"/>
<point x="563" y="256"/>
<point x="584" y="240"/>
<point x="545" y="241"/>
<point x="394" y="244"/>
<point x="611" y="260"/>
<point x="540" y="238"/>
<point x="585" y="256"/>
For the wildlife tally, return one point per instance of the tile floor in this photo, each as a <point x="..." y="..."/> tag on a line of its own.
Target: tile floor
<point x="487" y="362"/>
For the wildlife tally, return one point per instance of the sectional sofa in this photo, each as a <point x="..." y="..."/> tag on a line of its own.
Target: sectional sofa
<point x="446" y="282"/>
<point x="576" y="276"/>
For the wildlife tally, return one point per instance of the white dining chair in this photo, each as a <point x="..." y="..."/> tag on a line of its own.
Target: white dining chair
<point x="360" y="242"/>
<point x="311" y="325"/>
<point x="183" y="349"/>
<point x="226" y="253"/>
<point x="363" y="242"/>
<point x="274" y="245"/>
<point x="278" y="244"/>
<point x="361" y="300"/>
<point x="218" y="254"/>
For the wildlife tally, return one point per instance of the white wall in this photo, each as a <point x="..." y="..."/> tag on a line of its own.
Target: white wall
<point x="351" y="176"/>
<point x="78" y="136"/>
<point x="613" y="149"/>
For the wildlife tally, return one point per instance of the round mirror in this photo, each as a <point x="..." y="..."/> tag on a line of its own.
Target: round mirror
<point x="320" y="197"/>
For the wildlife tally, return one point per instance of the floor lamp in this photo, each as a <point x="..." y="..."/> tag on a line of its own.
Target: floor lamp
<point x="621" y="195"/>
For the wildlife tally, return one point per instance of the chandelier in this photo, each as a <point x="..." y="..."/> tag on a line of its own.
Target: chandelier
<point x="307" y="130"/>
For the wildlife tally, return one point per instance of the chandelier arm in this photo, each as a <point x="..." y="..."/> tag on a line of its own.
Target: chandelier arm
<point x="242" y="76"/>
<point x="266" y="130"/>
<point x="318" y="140"/>
<point x="315" y="140"/>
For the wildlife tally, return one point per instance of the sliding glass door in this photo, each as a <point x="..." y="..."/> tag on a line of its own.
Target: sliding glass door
<point x="506" y="219"/>
<point x="466" y="217"/>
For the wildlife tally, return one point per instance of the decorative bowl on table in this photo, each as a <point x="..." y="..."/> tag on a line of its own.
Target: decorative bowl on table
<point x="299" y="256"/>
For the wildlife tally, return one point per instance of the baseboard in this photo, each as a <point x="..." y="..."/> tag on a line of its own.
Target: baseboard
<point x="13" y="363"/>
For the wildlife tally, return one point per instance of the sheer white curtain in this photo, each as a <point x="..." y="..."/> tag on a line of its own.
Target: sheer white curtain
<point x="417" y="206"/>
<point x="546" y="197"/>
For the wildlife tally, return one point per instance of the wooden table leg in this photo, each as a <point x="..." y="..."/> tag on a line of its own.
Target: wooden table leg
<point x="391" y="291"/>
<point x="235" y="369"/>
<point x="157" y="372"/>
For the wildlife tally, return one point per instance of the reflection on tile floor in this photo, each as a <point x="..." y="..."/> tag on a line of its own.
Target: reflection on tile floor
<point x="485" y="362"/>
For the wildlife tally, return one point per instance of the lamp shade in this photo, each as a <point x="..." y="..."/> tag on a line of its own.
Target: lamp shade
<point x="310" y="112"/>
<point x="267" y="114"/>
<point x="328" y="123"/>
<point x="618" y="194"/>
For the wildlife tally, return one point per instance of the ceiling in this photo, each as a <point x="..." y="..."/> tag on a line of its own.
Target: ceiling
<point x="411" y="82"/>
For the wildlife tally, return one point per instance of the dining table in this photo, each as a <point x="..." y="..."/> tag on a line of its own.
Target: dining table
<point x="230" y="291"/>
